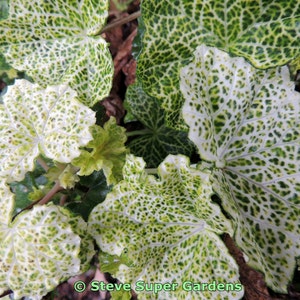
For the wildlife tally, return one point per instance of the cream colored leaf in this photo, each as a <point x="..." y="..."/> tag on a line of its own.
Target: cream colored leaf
<point x="34" y="120"/>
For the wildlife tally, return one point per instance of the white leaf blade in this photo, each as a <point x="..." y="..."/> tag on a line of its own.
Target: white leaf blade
<point x="53" y="44"/>
<point x="39" y="250"/>
<point x="211" y="125"/>
<point x="169" y="226"/>
<point x="267" y="232"/>
<point x="254" y="153"/>
<point x="34" y="120"/>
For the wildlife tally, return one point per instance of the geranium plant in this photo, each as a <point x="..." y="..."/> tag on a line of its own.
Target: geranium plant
<point x="211" y="78"/>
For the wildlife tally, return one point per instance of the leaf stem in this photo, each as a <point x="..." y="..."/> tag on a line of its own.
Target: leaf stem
<point x="138" y="132"/>
<point x="120" y="22"/>
<point x="43" y="164"/>
<point x="63" y="200"/>
<point x="55" y="189"/>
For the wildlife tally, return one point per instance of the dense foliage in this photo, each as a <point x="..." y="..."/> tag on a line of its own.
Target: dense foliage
<point x="212" y="79"/>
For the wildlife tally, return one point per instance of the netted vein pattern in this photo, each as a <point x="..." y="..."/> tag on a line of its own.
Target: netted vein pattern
<point x="38" y="250"/>
<point x="264" y="32"/>
<point x="170" y="228"/>
<point x="246" y="124"/>
<point x="55" y="43"/>
<point x="34" y="120"/>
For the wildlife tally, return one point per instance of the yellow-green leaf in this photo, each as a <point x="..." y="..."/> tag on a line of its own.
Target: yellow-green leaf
<point x="106" y="151"/>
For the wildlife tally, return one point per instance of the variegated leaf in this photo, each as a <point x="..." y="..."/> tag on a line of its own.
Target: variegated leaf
<point x="6" y="206"/>
<point x="55" y="43"/>
<point x="169" y="227"/>
<point x="265" y="32"/>
<point x="40" y="249"/>
<point x="4" y="4"/>
<point x="34" y="120"/>
<point x="246" y="125"/>
<point x="159" y="140"/>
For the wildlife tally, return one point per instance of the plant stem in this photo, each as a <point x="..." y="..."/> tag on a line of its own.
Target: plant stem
<point x="55" y="189"/>
<point x="63" y="200"/>
<point x="43" y="164"/>
<point x="138" y="132"/>
<point x="25" y="208"/>
<point x="120" y="22"/>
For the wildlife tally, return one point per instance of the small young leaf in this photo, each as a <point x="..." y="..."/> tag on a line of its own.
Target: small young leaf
<point x="154" y="146"/>
<point x="33" y="120"/>
<point x="265" y="32"/>
<point x="106" y="151"/>
<point x="120" y="295"/>
<point x="246" y="124"/>
<point x="40" y="249"/>
<point x="122" y="4"/>
<point x="37" y="193"/>
<point x="169" y="226"/>
<point x="55" y="43"/>
<point x="68" y="177"/>
<point x="61" y="172"/>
